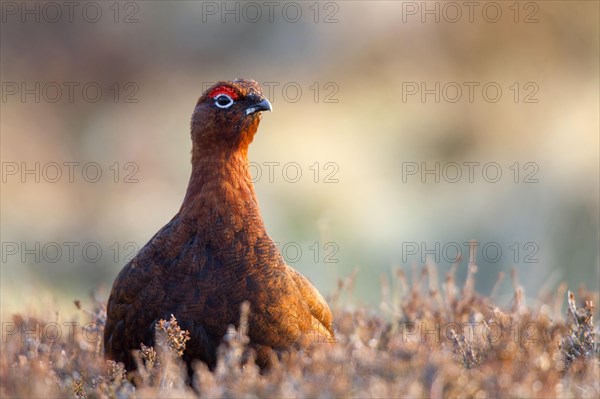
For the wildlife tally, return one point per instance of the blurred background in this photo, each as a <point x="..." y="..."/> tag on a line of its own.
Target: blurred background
<point x="401" y="132"/>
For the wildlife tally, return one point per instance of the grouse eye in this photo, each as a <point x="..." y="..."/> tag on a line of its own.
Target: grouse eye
<point x="223" y="101"/>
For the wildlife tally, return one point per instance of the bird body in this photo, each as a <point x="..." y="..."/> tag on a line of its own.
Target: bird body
<point x="215" y="253"/>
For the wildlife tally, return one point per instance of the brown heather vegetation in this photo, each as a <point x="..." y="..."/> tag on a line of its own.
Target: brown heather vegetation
<point x="426" y="341"/>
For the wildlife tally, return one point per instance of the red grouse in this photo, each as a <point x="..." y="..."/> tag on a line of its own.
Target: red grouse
<point x="215" y="253"/>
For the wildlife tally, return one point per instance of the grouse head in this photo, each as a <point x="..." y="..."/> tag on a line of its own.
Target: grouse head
<point x="226" y="117"/>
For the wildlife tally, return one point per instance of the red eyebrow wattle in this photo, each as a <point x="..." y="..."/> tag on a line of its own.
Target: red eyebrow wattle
<point x="223" y="90"/>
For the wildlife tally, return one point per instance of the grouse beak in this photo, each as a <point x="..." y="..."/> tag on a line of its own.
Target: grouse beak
<point x="263" y="105"/>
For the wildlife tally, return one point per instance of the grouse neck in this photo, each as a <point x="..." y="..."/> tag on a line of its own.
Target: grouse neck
<point x="220" y="180"/>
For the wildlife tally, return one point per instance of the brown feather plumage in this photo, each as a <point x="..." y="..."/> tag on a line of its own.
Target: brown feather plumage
<point x="215" y="254"/>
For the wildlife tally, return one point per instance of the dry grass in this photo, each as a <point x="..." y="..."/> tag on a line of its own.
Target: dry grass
<point x="426" y="341"/>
